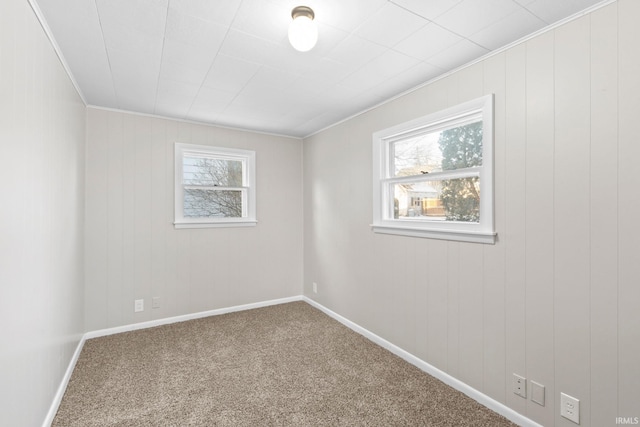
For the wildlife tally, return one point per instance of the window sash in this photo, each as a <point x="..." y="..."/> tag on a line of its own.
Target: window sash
<point x="243" y="200"/>
<point x="388" y="186"/>
<point x="391" y="143"/>
<point x="185" y="173"/>
<point x="384" y="179"/>
<point x="412" y="202"/>
<point x="247" y="189"/>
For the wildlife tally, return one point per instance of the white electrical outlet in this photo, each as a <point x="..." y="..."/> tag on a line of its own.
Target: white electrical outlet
<point x="155" y="302"/>
<point x="570" y="408"/>
<point x="315" y="288"/>
<point x="138" y="305"/>
<point x="520" y="385"/>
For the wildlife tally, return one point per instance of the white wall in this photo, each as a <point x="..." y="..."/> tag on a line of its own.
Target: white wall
<point x="42" y="133"/>
<point x="557" y="298"/>
<point x="134" y="252"/>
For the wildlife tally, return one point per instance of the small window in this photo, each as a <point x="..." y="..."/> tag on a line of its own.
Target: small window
<point x="433" y="177"/>
<point x="215" y="187"/>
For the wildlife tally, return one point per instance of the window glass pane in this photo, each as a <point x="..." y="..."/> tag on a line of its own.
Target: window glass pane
<point x="449" y="149"/>
<point x="212" y="172"/>
<point x="206" y="203"/>
<point x="446" y="200"/>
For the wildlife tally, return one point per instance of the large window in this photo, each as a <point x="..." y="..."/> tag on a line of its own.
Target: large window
<point x="214" y="187"/>
<point x="433" y="177"/>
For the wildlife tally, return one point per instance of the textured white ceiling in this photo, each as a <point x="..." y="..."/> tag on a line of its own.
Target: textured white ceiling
<point x="229" y="62"/>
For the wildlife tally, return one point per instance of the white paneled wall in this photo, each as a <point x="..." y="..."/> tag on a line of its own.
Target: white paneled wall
<point x="42" y="134"/>
<point x="134" y="252"/>
<point x="628" y="198"/>
<point x="557" y="298"/>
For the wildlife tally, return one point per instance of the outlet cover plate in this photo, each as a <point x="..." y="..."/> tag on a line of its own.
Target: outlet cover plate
<point x="537" y="393"/>
<point x="570" y="408"/>
<point x="520" y="385"/>
<point x="138" y="305"/>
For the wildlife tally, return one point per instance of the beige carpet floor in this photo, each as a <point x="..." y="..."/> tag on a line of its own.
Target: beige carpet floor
<point x="285" y="365"/>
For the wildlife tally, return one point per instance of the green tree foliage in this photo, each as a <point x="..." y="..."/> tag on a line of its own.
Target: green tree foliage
<point x="461" y="148"/>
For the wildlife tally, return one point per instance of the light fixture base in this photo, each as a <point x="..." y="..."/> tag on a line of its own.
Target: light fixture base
<point x="302" y="11"/>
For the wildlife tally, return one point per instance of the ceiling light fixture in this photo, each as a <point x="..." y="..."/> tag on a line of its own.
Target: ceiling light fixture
<point x="303" y="32"/>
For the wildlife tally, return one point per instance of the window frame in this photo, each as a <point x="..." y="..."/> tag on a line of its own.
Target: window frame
<point x="247" y="157"/>
<point x="383" y="180"/>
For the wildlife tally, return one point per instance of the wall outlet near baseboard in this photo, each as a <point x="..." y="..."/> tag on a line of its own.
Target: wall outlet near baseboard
<point x="315" y="288"/>
<point x="570" y="408"/>
<point x="520" y="385"/>
<point x="155" y="302"/>
<point x="138" y="305"/>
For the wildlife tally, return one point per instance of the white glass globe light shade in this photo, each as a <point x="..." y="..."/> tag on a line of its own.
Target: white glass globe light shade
<point x="303" y="33"/>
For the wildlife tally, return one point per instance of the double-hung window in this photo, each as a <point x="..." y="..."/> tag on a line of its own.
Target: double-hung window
<point x="433" y="176"/>
<point x="214" y="187"/>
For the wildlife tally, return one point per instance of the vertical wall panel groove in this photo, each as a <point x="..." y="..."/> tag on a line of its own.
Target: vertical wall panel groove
<point x="513" y="233"/>
<point x="470" y="295"/>
<point x="539" y="193"/>
<point x="604" y="215"/>
<point x="628" y="208"/>
<point x="494" y="271"/>
<point x="572" y="212"/>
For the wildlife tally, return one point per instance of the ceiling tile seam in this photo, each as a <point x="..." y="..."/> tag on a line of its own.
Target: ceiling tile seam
<point x="386" y="49"/>
<point x="429" y="21"/>
<point x="253" y="76"/>
<point x="164" y="39"/>
<point x="569" y="18"/>
<point x="238" y="92"/>
<point x="550" y="27"/>
<point x="530" y="11"/>
<point x="354" y="31"/>
<point x="424" y="17"/>
<point x="106" y="52"/>
<point x="522" y="8"/>
<point x="226" y="34"/>
<point x="439" y="51"/>
<point x="461" y="36"/>
<point x="56" y="48"/>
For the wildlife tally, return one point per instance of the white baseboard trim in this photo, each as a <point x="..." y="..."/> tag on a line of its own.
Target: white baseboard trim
<point x="185" y="317"/>
<point x="53" y="409"/>
<point x="476" y="395"/>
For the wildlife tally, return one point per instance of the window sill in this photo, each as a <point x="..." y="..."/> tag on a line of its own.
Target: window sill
<point x="453" y="235"/>
<point x="217" y="224"/>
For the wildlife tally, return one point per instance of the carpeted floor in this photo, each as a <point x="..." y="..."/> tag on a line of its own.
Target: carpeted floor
<point x="285" y="365"/>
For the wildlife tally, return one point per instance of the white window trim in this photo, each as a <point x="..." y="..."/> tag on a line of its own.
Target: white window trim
<point x="383" y="221"/>
<point x="249" y="178"/>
